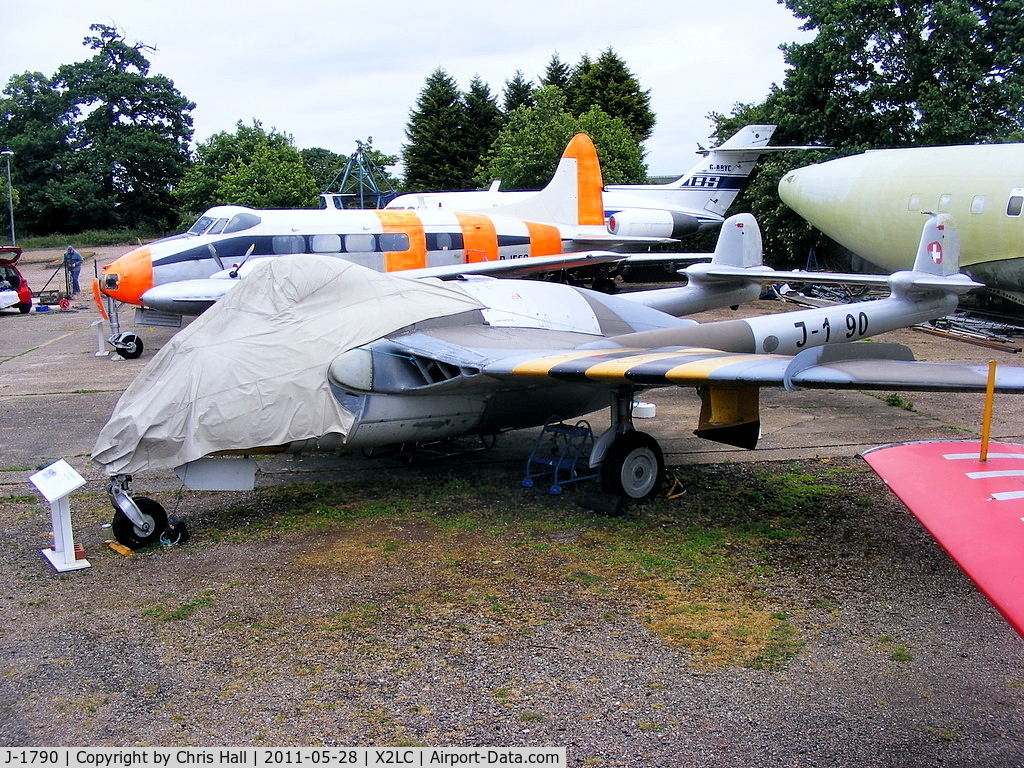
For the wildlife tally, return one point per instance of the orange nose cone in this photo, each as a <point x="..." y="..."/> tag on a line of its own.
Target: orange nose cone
<point x="128" y="277"/>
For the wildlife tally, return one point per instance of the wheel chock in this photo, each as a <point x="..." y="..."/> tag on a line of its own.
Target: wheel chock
<point x="121" y="549"/>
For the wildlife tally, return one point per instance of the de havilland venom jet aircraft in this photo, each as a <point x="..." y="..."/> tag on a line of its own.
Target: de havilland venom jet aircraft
<point x="315" y="352"/>
<point x="556" y="223"/>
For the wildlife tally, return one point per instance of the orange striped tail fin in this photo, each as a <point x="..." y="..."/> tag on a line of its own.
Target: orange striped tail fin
<point x="573" y="197"/>
<point x="589" y="183"/>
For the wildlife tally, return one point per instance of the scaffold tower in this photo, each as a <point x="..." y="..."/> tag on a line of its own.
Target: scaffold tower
<point x="361" y="184"/>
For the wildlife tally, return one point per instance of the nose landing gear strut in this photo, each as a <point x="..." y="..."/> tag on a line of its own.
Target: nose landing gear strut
<point x="140" y="521"/>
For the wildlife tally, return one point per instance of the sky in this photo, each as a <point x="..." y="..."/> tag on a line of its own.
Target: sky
<point x="331" y="72"/>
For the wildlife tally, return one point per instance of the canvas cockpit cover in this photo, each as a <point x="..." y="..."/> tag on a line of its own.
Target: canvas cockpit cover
<point x="252" y="370"/>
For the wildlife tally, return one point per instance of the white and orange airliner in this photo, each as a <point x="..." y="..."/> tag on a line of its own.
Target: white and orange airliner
<point x="555" y="226"/>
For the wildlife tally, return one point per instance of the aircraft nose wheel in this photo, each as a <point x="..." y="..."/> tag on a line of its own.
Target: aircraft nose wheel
<point x="633" y="467"/>
<point x="134" y="536"/>
<point x="128" y="345"/>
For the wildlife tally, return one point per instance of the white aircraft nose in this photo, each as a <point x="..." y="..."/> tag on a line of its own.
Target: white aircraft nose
<point x="810" y="191"/>
<point x="841" y="198"/>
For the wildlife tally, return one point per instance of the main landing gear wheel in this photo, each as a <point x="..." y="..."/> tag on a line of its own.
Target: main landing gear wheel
<point x="129" y="534"/>
<point x="633" y="466"/>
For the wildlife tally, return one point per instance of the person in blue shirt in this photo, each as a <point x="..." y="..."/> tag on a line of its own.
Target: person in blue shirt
<point x="73" y="264"/>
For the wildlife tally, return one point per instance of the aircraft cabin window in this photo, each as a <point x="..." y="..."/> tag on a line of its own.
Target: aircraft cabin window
<point x="284" y="244"/>
<point x="241" y="221"/>
<point x="394" y="241"/>
<point x="915" y="203"/>
<point x="1014" y="205"/>
<point x="360" y="243"/>
<point x="944" y="203"/>
<point x="218" y="227"/>
<point x="978" y="204"/>
<point x="325" y="243"/>
<point x="201" y="225"/>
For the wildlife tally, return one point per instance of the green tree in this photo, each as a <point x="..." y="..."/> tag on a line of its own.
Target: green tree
<point x="132" y="132"/>
<point x="558" y="74"/>
<point x="881" y="73"/>
<point x="609" y="85"/>
<point x="248" y="167"/>
<point x="98" y="145"/>
<point x="483" y="120"/>
<point x="889" y="74"/>
<point x="436" y="157"/>
<point x="36" y="124"/>
<point x="518" y="93"/>
<point x="530" y="144"/>
<point x="323" y="165"/>
<point x="269" y="178"/>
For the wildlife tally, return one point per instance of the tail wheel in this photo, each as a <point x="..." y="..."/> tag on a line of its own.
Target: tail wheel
<point x="134" y="537"/>
<point x="633" y="467"/>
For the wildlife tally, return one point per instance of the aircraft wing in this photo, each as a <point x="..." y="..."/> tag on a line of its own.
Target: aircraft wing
<point x="598" y="240"/>
<point x="972" y="508"/>
<point x="193" y="297"/>
<point x="769" y="275"/>
<point x="667" y="258"/>
<point x="840" y="366"/>
<point x="516" y="267"/>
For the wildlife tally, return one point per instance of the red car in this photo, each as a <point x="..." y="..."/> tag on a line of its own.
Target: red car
<point x="14" y="290"/>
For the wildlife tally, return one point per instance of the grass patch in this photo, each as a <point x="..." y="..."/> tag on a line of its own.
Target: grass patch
<point x="487" y="559"/>
<point x="177" y="613"/>
<point x="897" y="651"/>
<point x="89" y="239"/>
<point x="358" y="616"/>
<point x="894" y="400"/>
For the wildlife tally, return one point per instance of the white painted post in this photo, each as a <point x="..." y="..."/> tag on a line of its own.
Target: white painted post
<point x="101" y="341"/>
<point x="56" y="482"/>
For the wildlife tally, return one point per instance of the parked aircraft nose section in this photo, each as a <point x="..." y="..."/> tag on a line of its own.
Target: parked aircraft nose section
<point x="813" y="191"/>
<point x="838" y="198"/>
<point x="129" y="276"/>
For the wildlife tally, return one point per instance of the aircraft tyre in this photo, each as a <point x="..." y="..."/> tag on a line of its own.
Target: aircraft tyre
<point x="633" y="467"/>
<point x="126" y="532"/>
<point x="129" y="346"/>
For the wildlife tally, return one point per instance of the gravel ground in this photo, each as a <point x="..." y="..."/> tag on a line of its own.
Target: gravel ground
<point x="298" y="637"/>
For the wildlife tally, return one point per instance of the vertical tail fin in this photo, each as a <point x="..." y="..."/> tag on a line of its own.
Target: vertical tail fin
<point x="938" y="253"/>
<point x="712" y="184"/>
<point x="572" y="197"/>
<point x="715" y="182"/>
<point x="739" y="243"/>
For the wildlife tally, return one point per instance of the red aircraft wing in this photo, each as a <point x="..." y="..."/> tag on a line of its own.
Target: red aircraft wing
<point x="974" y="509"/>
